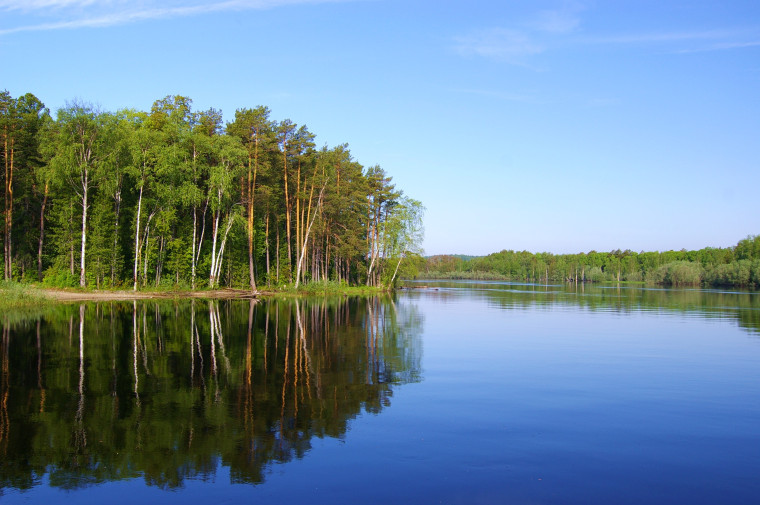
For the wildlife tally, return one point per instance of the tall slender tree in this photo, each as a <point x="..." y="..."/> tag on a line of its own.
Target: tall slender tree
<point x="83" y="147"/>
<point x="255" y="130"/>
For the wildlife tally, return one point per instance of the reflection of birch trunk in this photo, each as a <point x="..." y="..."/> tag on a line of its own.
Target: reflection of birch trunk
<point x="114" y="369"/>
<point x="216" y="322"/>
<point x="145" y="340"/>
<point x="249" y="347"/>
<point x="248" y="404"/>
<point x="213" y="344"/>
<point x="196" y="337"/>
<point x="302" y="337"/>
<point x="373" y="336"/>
<point x="266" y="338"/>
<point x="134" y="348"/>
<point x="80" y="434"/>
<point x="39" y="368"/>
<point x="192" y="341"/>
<point x="285" y="379"/>
<point x="5" y="424"/>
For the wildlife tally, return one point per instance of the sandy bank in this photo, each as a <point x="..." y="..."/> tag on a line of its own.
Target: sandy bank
<point x="76" y="296"/>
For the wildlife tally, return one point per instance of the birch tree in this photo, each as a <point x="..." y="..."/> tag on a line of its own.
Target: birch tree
<point x="82" y="148"/>
<point x="224" y="211"/>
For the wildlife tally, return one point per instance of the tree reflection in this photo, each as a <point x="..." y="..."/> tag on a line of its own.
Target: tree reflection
<point x="254" y="383"/>
<point x="741" y="306"/>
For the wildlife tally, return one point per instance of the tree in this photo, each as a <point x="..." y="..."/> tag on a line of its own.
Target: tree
<point x="405" y="231"/>
<point x="255" y="130"/>
<point x="382" y="197"/>
<point x="82" y="149"/>
<point x="20" y="123"/>
<point x="285" y="135"/>
<point x="229" y="156"/>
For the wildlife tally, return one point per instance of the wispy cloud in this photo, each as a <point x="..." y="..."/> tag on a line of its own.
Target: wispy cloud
<point x="516" y="44"/>
<point x="661" y="37"/>
<point x="684" y="42"/>
<point x="498" y="43"/>
<point x="32" y="5"/>
<point x="557" y="21"/>
<point x="547" y="30"/>
<point x="71" y="14"/>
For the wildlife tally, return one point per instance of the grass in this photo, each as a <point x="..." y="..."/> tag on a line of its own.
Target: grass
<point x="14" y="295"/>
<point x="327" y="288"/>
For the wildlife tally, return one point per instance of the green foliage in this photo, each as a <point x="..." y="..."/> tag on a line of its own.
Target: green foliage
<point x="170" y="196"/>
<point x="56" y="277"/>
<point x="748" y="249"/>
<point x="677" y="273"/>
<point x="743" y="272"/>
<point x="738" y="266"/>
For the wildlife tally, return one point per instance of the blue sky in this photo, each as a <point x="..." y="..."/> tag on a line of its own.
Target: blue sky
<point x="556" y="126"/>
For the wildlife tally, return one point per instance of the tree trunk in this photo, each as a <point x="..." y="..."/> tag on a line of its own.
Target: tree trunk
<point x="251" y="194"/>
<point x="220" y="255"/>
<point x="266" y="243"/>
<point x="396" y="271"/>
<point x="42" y="231"/>
<point x="85" y="194"/>
<point x="192" y="259"/>
<point x="215" y="233"/>
<point x="114" y="251"/>
<point x="137" y="238"/>
<point x="306" y="236"/>
<point x="277" y="252"/>
<point x="9" y="211"/>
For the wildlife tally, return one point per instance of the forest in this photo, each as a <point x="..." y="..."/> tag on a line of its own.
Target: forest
<point x="737" y="266"/>
<point x="174" y="197"/>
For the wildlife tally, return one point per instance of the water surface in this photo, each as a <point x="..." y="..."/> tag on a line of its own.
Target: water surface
<point x="462" y="392"/>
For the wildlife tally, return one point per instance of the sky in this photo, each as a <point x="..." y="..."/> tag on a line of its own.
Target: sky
<point x="557" y="126"/>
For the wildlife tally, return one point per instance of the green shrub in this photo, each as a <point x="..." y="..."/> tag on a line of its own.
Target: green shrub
<point x="59" y="278"/>
<point x="677" y="273"/>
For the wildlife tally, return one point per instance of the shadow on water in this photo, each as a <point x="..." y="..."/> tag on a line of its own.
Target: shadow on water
<point x="743" y="307"/>
<point x="169" y="391"/>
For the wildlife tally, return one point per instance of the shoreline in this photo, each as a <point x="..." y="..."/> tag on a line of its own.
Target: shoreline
<point x="17" y="295"/>
<point x="61" y="295"/>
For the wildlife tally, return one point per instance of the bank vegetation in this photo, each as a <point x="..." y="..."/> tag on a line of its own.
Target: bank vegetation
<point x="175" y="198"/>
<point x="737" y="266"/>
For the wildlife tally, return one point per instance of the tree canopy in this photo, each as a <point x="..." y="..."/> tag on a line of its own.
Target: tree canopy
<point x="733" y="266"/>
<point x="173" y="196"/>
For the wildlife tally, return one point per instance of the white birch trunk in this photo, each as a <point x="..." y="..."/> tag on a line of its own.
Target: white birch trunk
<point x="306" y="237"/>
<point x="211" y="279"/>
<point x="137" y="238"/>
<point x="85" y="188"/>
<point x="396" y="271"/>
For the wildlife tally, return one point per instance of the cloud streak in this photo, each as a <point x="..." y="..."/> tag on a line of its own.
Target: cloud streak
<point x="516" y="45"/>
<point x="73" y="14"/>
<point x="498" y="43"/>
<point x="698" y="41"/>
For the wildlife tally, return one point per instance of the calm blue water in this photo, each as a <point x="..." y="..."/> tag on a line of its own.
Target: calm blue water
<point x="488" y="393"/>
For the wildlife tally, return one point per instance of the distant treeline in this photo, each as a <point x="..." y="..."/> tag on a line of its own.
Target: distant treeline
<point x="175" y="197"/>
<point x="733" y="266"/>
